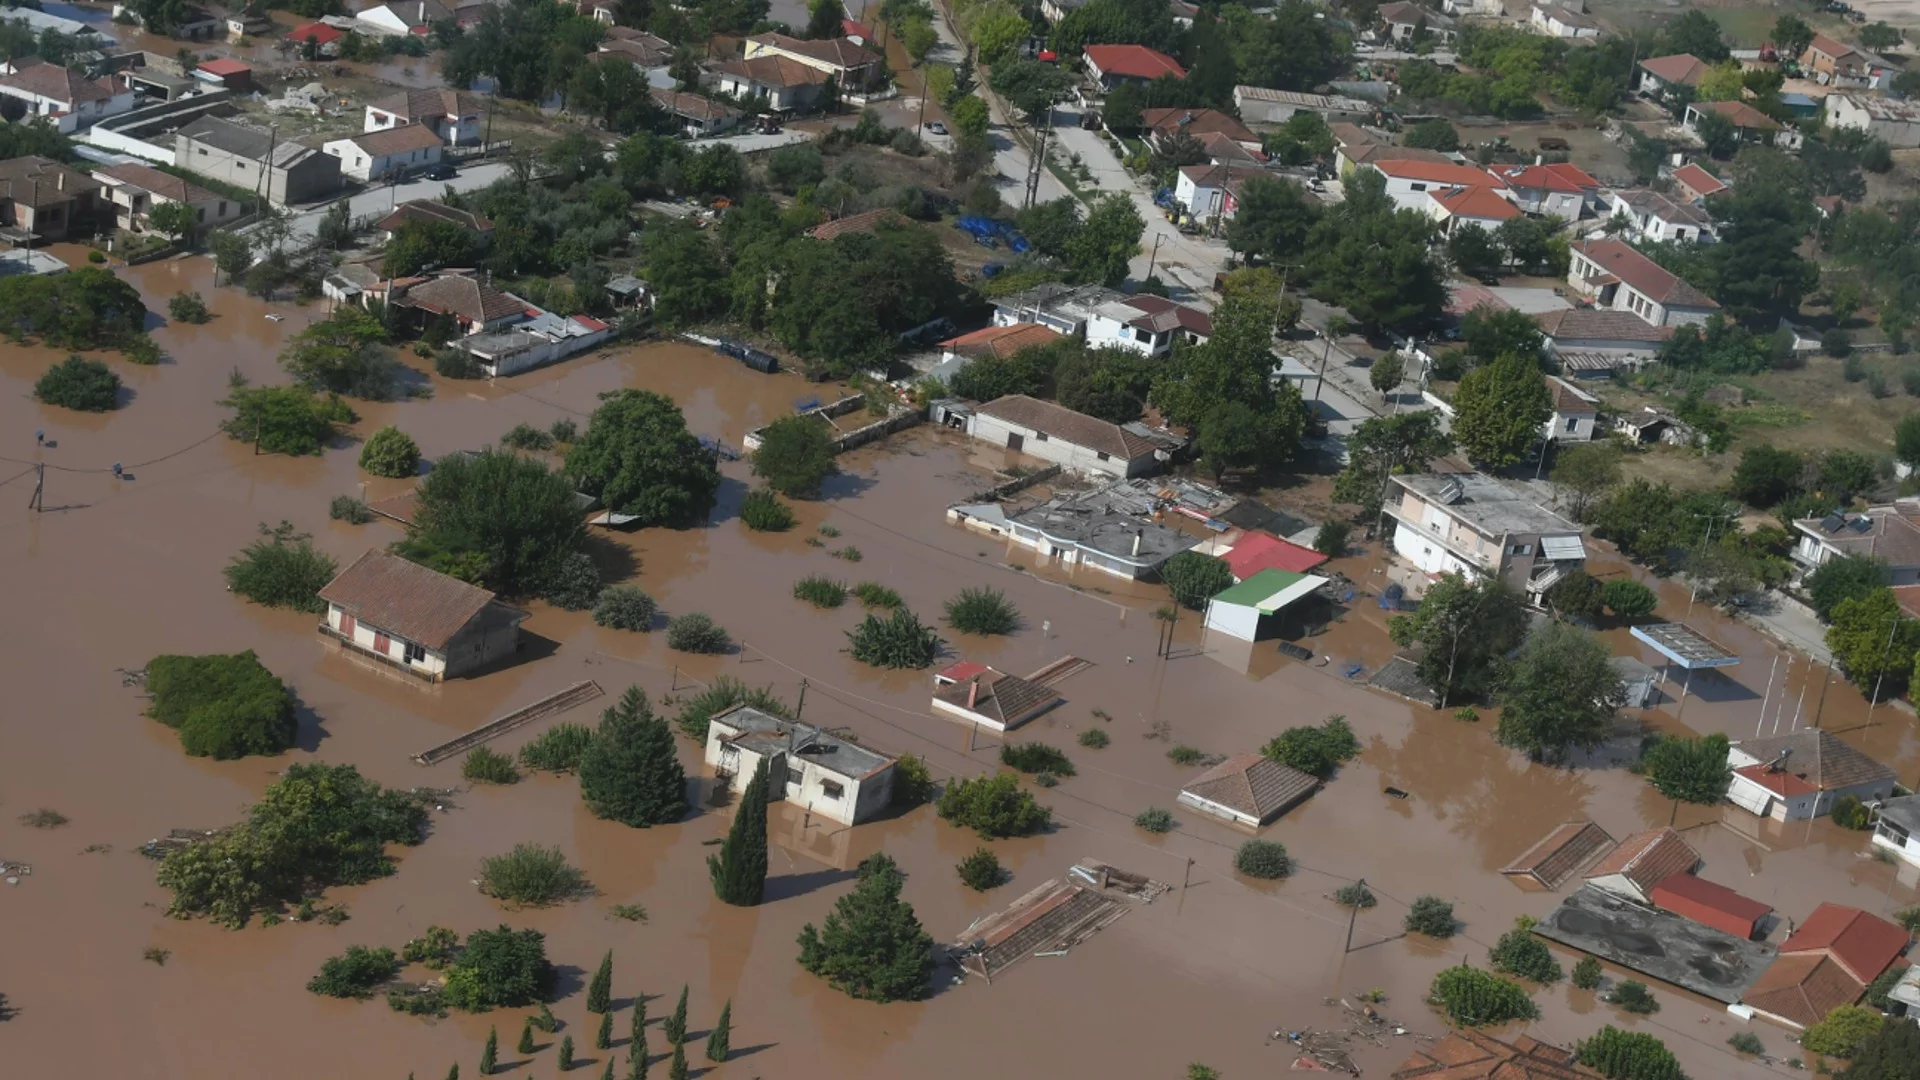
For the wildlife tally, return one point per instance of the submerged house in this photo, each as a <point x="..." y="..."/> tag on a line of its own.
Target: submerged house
<point x="1798" y="776"/>
<point x="1127" y="529"/>
<point x="834" y="777"/>
<point x="418" y="620"/>
<point x="1247" y="790"/>
<point x="1826" y="963"/>
<point x="1642" y="862"/>
<point x="993" y="699"/>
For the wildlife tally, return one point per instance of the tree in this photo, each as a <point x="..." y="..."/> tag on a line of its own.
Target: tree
<point x="1193" y="578"/>
<point x="1892" y="1052"/>
<point x="1518" y="952"/>
<point x="1432" y="916"/>
<point x="1532" y="246"/>
<point x="500" y="968"/>
<point x="899" y="641"/>
<point x="871" y="945"/>
<point x="969" y="116"/>
<point x="1874" y="643"/>
<point x="1464" y="629"/>
<point x="173" y="220"/>
<point x="1125" y="108"/>
<point x="1880" y="35"/>
<point x="564" y="1059"/>
<point x="739" y="871"/>
<point x="1690" y="770"/>
<point x="1273" y="221"/>
<point x="1107" y="241"/>
<point x="490" y="1051"/>
<point x="639" y="458"/>
<point x="80" y="384"/>
<point x="1843" y="1031"/>
<point x="281" y="569"/>
<point x="283" y="419"/>
<point x="390" y="452"/>
<point x="1576" y="595"/>
<point x="1561" y="692"/>
<point x="1849" y="577"/>
<point x="674" y="1027"/>
<point x="1387" y="373"/>
<point x="603" y="1040"/>
<point x="1847" y="473"/>
<point x="1791" y="36"/>
<point x="1474" y="997"/>
<point x="1331" y="540"/>
<point x="1721" y="82"/>
<point x="1583" y="473"/>
<point x="994" y="807"/>
<point x="1236" y="435"/>
<point x="600" y="990"/>
<point x="427" y="245"/>
<point x="1491" y="335"/>
<point x="630" y="772"/>
<point x="1629" y="1055"/>
<point x="637" y="1042"/>
<point x="1500" y="409"/>
<point x="188" y="307"/>
<point x="1696" y="32"/>
<point x="1718" y="137"/>
<point x="495" y="516"/>
<point x="683" y="266"/>
<point x="1762" y="275"/>
<point x="1434" y="134"/>
<point x="223" y="706"/>
<point x="719" y="1038"/>
<point x="1314" y="750"/>
<point x="1381" y="447"/>
<point x="1628" y="599"/>
<point x="355" y="973"/>
<point x="1766" y="474"/>
<point x="796" y="454"/>
<point x="232" y="254"/>
<point x="1474" y="253"/>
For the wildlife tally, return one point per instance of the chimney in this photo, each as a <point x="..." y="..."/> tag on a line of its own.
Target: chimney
<point x="60" y="180"/>
<point x="973" y="691"/>
<point x="1136" y="541"/>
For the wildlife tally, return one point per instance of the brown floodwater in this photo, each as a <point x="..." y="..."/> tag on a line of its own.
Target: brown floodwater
<point x="117" y="571"/>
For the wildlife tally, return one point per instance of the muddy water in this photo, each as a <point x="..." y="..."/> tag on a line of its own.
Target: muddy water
<point x="126" y="569"/>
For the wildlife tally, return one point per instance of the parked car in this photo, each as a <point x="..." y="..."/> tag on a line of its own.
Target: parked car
<point x="442" y="171"/>
<point x="936" y="127"/>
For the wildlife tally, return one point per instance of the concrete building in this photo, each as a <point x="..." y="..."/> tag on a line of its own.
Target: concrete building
<point x="452" y="115"/>
<point x="41" y="199"/>
<point x="226" y="73"/>
<point x="135" y="190"/>
<point x="1472" y="524"/>
<point x="1888" y="533"/>
<point x="835" y="778"/>
<point x="1654" y="218"/>
<point x="1834" y="64"/>
<point x="1616" y="277"/>
<point x="1064" y="309"/>
<point x="418" y="620"/>
<point x="1247" y="790"/>
<point x="283" y="171"/>
<point x="1127" y="529"/>
<point x="851" y="66"/>
<point x="1562" y="190"/>
<point x="65" y="97"/>
<point x="401" y="18"/>
<point x="1073" y="440"/>
<point x="1749" y="123"/>
<point x="1557" y="20"/>
<point x="1641" y="862"/>
<point x="1111" y="65"/>
<point x="1663" y="75"/>
<point x="1400" y="20"/>
<point x="391" y="154"/>
<point x="1896" y="827"/>
<point x="784" y="83"/>
<point x="1247" y="611"/>
<point x="540" y="338"/>
<point x="977" y="694"/>
<point x="1898" y="122"/>
<point x="1164" y="125"/>
<point x="1576" y="413"/>
<point x="1147" y="324"/>
<point x="1410" y="182"/>
<point x="1259" y="105"/>
<point x="699" y="117"/>
<point x="1798" y="776"/>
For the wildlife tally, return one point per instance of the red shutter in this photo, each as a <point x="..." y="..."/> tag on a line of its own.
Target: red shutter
<point x="382" y="644"/>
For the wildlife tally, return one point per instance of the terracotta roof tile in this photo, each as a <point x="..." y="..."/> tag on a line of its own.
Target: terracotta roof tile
<point x="1008" y="700"/>
<point x="1060" y="422"/>
<point x="1802" y="989"/>
<point x="396" y="140"/>
<point x="1561" y="854"/>
<point x="1198" y="122"/>
<point x="1134" y="61"/>
<point x="1252" y="784"/>
<point x="407" y="600"/>
<point x="1741" y="114"/>
<point x="1862" y="943"/>
<point x="1621" y="260"/>
<point x="1647" y="858"/>
<point x="780" y="71"/>
<point x="1438" y="172"/>
<point x="1682" y="68"/>
<point x="64" y="84"/>
<point x="1593" y="324"/>
<point x="1474" y="1055"/>
<point x="416" y="105"/>
<point x="40" y="181"/>
<point x="839" y="52"/>
<point x="1475" y="202"/>
<point x="456" y="294"/>
<point x="149" y="179"/>
<point x="1700" y="180"/>
<point x="1819" y="756"/>
<point x="1002" y="341"/>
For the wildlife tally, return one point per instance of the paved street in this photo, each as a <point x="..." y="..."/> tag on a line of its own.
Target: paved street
<point x="375" y="202"/>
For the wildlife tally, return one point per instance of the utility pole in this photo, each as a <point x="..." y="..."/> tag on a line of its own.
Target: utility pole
<point x="1353" y="916"/>
<point x="34" y="502"/>
<point x="1155" y="257"/>
<point x="1324" y="354"/>
<point x="801" y="706"/>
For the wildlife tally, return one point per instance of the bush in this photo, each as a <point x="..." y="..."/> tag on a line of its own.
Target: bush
<point x="1355" y="895"/>
<point x="697" y="633"/>
<point x="898" y="641"/>
<point x="1331" y="540"/>
<point x="355" y="973"/>
<point x="1474" y="997"/>
<point x="1837" y="342"/>
<point x="500" y="968"/>
<point x="1849" y="813"/>
<point x="1431" y="916"/>
<point x="1634" y="997"/>
<point x="981" y="870"/>
<point x="993" y="806"/>
<point x="1193" y="578"/>
<point x="282" y="569"/>
<point x="625" y="607"/>
<point x="1264" y="859"/>
<point x="1185" y="755"/>
<point x="488" y="766"/>
<point x="820" y="591"/>
<point x="141" y="350"/>
<point x="81" y="384"/>
<point x="435" y="949"/>
<point x="349" y="509"/>
<point x="1094" y="739"/>
<point x="724" y="693"/>
<point x="1690" y="770"/>
<point x="526" y="437"/>
<point x="1628" y="599"/>
<point x="1518" y="952"/>
<point x="1586" y="973"/>
<point x="531" y="876"/>
<point x="390" y="452"/>
<point x="1035" y="757"/>
<point x="558" y="749"/>
<point x="762" y="511"/>
<point x="872" y="594"/>
<point x="188" y="307"/>
<point x="912" y="781"/>
<point x="1154" y="819"/>
<point x="982" y="611"/>
<point x="224" y="706"/>
<point x="1316" y="751"/>
<point x="1629" y="1055"/>
<point x="1842" y="1031"/>
<point x="455" y="363"/>
<point x="574" y="582"/>
<point x="848" y="554"/>
<point x="1746" y="1042"/>
<point x="1880" y="990"/>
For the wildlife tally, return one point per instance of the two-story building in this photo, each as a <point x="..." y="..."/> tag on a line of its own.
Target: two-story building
<point x="1576" y="413"/>
<point x="1696" y="184"/>
<point x="852" y="67"/>
<point x="824" y="774"/>
<point x="1560" y="190"/>
<point x="650" y="55"/>
<point x="1410" y="183"/>
<point x="453" y="115"/>
<point x="391" y="153"/>
<point x="1655" y="218"/>
<point x="135" y="190"/>
<point x="41" y="199"/>
<point x="1835" y="64"/>
<point x="1471" y="524"/>
<point x="1615" y="276"/>
<point x="1888" y="533"/>
<point x="1799" y="776"/>
<point x="1164" y="125"/>
<point x="69" y="99"/>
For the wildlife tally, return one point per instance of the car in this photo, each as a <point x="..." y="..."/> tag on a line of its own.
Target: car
<point x="936" y="127"/>
<point x="442" y="171"/>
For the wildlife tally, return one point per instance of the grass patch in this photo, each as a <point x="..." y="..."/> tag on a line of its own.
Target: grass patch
<point x="484" y="765"/>
<point x="820" y="591"/>
<point x="531" y="876"/>
<point x="1185" y="755"/>
<point x="872" y="594"/>
<point x="697" y="633"/>
<point x="629" y="912"/>
<point x="762" y="511"/>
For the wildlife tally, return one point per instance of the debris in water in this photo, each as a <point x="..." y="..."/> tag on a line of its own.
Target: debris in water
<point x="1396" y="793"/>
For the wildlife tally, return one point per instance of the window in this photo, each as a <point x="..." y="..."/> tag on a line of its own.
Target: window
<point x="203" y="215"/>
<point x="1419" y="187"/>
<point x="1520" y="549"/>
<point x="1573" y="423"/>
<point x="1039" y="436"/>
<point x="415" y="653"/>
<point x="201" y="150"/>
<point x="832" y="789"/>
<point x="1103" y="456"/>
<point x="222" y="212"/>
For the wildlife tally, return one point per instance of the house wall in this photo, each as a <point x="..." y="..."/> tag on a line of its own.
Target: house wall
<point x="1215" y="810"/>
<point x="72" y="117"/>
<point x="1621" y="885"/>
<point x="308" y="179"/>
<point x="1059" y="322"/>
<point x="1573" y="427"/>
<point x="1842" y="112"/>
<point x="360" y="165"/>
<point x="1898" y="841"/>
<point x="545" y="353"/>
<point x="995" y="431"/>
<point x="1102" y="331"/>
<point x="1564" y="205"/>
<point x="381" y="21"/>
<point x="1413" y="194"/>
<point x="1657" y="229"/>
<point x="1199" y="201"/>
<point x="779" y="98"/>
<point x="1438" y="526"/>
<point x="1624" y="297"/>
<point x="472" y="648"/>
<point x="131" y="205"/>
<point x="364" y="637"/>
<point x="1234" y="620"/>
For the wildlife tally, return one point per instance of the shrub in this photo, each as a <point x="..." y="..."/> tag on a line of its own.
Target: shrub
<point x="281" y="569"/>
<point x="526" y="437"/>
<point x="1331" y="540"/>
<point x="848" y="554"/>
<point x="1431" y="916"/>
<point x="497" y="968"/>
<point x="820" y="591"/>
<point x="1880" y="989"/>
<point x="1035" y="757"/>
<point x="912" y="781"/>
<point x="355" y="973"/>
<point x="1518" y="952"/>
<point x="80" y="384"/>
<point x="558" y="749"/>
<point x="531" y="876"/>
<point x="1634" y="997"/>
<point x="1690" y="770"/>
<point x="44" y="818"/>
<point x="435" y="949"/>
<point x="1265" y="859"/>
<point x="1586" y="973"/>
<point x="1746" y="1042"/>
<point x="188" y="307"/>
<point x="724" y="693"/>
<point x="1316" y="751"/>
<point x="697" y="633"/>
<point x="1185" y="755"/>
<point x="1474" y="997"/>
<point x="485" y="765"/>
<point x="563" y="430"/>
<point x="1094" y="739"/>
<point x="1154" y="819"/>
<point x="982" y="611"/>
<point x="762" y="511"/>
<point x="1628" y="599"/>
<point x="1355" y="895"/>
<point x="1193" y="578"/>
<point x="1837" y="342"/>
<point x="828" y="531"/>
<point x="981" y="870"/>
<point x="993" y="806"/>
<point x="574" y="582"/>
<point x="141" y="350"/>
<point x="453" y="363"/>
<point x="1842" y="1031"/>
<point x="625" y="607"/>
<point x="1467" y="714"/>
<point x="871" y="945"/>
<point x="1850" y="813"/>
<point x="349" y="509"/>
<point x="872" y="594"/>
<point x="223" y="706"/>
<point x="898" y="641"/>
<point x="1629" y="1055"/>
<point x="390" y="452"/>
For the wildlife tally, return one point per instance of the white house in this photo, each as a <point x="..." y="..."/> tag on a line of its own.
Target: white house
<point x="1561" y="190"/>
<point x="1147" y="324"/>
<point x="1557" y="20"/>
<point x="66" y="97"/>
<point x="699" y="117"/>
<point x="402" y="17"/>
<point x="135" y="190"/>
<point x="977" y="694"/>
<point x="1894" y="828"/>
<point x="851" y="66"/>
<point x="784" y="83"/>
<point x="1073" y="440"/>
<point x="1472" y="524"/>
<point x="650" y="55"/>
<point x="1410" y="181"/>
<point x="1478" y="205"/>
<point x="1615" y="276"/>
<point x="1898" y="122"/>
<point x="1247" y="790"/>
<point x="1662" y="75"/>
<point x="452" y="115"/>
<point x="1798" y="776"/>
<point x="1642" y="861"/>
<point x="1576" y="414"/>
<point x="1486" y="9"/>
<point x="1888" y="533"/>
<point x="835" y="778"/>
<point x="418" y="620"/>
<point x="376" y="155"/>
<point x="1655" y="218"/>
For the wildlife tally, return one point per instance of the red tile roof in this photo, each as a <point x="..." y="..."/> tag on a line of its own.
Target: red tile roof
<point x="1007" y="700"/>
<point x="1544" y="177"/>
<point x="1002" y="341"/>
<point x="1136" y="61"/>
<point x="961" y="670"/>
<point x="853" y="29"/>
<point x="1864" y="944"/>
<point x="1741" y="114"/>
<point x="1708" y="903"/>
<point x="396" y="140"/>
<point x="1833" y="49"/>
<point x="1682" y="68"/>
<point x="773" y="70"/>
<point x="1568" y="171"/>
<point x="1648" y="858"/>
<point x="1197" y="122"/>
<point x="839" y="52"/>
<point x="1642" y="273"/>
<point x="317" y="32"/>
<point x="61" y="84"/>
<point x="1780" y="782"/>
<point x="429" y="104"/>
<point x="1438" y="172"/>
<point x="1699" y="180"/>
<point x="1802" y="989"/>
<point x="405" y="599"/>
<point x="1157" y="313"/>
<point x="1561" y="854"/>
<point x="1259" y="551"/>
<point x="224" y="66"/>
<point x="1475" y="202"/>
<point x="1474" y="1055"/>
<point x="1252" y="784"/>
<point x="455" y="294"/>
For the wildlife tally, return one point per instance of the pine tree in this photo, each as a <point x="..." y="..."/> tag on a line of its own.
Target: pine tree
<point x="872" y="945"/>
<point x="607" y="1073"/>
<point x="676" y="1025"/>
<point x="490" y="1051"/>
<point x="454" y="1073"/>
<point x="546" y="1021"/>
<point x="526" y="1037"/>
<point x="604" y="1040"/>
<point x="630" y="772"/>
<point x="600" y="990"/>
<point x="678" y="1070"/>
<point x="717" y="1048"/>
<point x="637" y="1040"/>
<point x="566" y="1052"/>
<point x="739" y="872"/>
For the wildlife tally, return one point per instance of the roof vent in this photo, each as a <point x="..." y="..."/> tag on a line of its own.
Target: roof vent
<point x="1452" y="491"/>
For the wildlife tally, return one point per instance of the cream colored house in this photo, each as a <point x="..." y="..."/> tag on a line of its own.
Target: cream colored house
<point x="421" y="621"/>
<point x="1472" y="524"/>
<point x="837" y="779"/>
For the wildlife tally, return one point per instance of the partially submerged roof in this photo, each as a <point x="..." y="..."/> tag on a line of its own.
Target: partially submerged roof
<point x="1863" y="943"/>
<point x="1252" y="784"/>
<point x="1657" y="943"/>
<point x="1684" y="645"/>
<point x="1007" y="700"/>
<point x="1647" y="858"/>
<point x="407" y="600"/>
<point x="1691" y="889"/>
<point x="1474" y="1055"/>
<point x="1801" y="990"/>
<point x="1560" y="854"/>
<point x="1269" y="590"/>
<point x="762" y="732"/>
<point x="1824" y="760"/>
<point x="1257" y="551"/>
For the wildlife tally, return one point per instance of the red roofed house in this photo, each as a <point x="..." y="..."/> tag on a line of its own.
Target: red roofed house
<point x="785" y="83"/>
<point x="1481" y="206"/>
<point x="1642" y="861"/>
<point x="418" y="620"/>
<point x="64" y="95"/>
<point x="992" y="699"/>
<point x="999" y="342"/>
<point x="324" y="39"/>
<point x="1145" y="323"/>
<point x="1164" y="124"/>
<point x="1697" y="183"/>
<point x="134" y="190"/>
<point x="1247" y="790"/>
<point x="1111" y="65"/>
<point x="1576" y="414"/>
<point x="474" y="306"/>
<point x="855" y="32"/>
<point x="1475" y="1055"/>
<point x="1749" y="123"/>
<point x="1410" y="182"/>
<point x="1257" y="551"/>
<point x="1799" y="991"/>
<point x="1798" y="776"/>
<point x="1560" y="191"/>
<point x="1711" y="905"/>
<point x="1863" y="944"/>
<point x="1660" y="75"/>
<point x="224" y="71"/>
<point x="1615" y="276"/>
<point x="1843" y="65"/>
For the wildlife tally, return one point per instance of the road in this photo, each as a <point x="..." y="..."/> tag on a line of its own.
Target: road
<point x="375" y="203"/>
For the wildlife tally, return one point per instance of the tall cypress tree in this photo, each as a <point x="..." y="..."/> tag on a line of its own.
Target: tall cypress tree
<point x="739" y="872"/>
<point x="717" y="1048"/>
<point x="525" y="1045"/>
<point x="676" y="1026"/>
<point x="678" y="1070"/>
<point x="600" y="990"/>
<point x="454" y="1073"/>
<point x="604" y="1039"/>
<point x="607" y="1073"/>
<point x="630" y="772"/>
<point x="566" y="1053"/>
<point x="490" y="1051"/>
<point x="637" y="1042"/>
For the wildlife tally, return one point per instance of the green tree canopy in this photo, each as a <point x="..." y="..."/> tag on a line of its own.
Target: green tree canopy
<point x="640" y="459"/>
<point x="1849" y="577"/>
<point x="1106" y="242"/>
<point x="342" y="353"/>
<point x="511" y="518"/>
<point x="1690" y="770"/>
<point x="796" y="454"/>
<point x="1874" y="643"/>
<point x="1500" y="409"/>
<point x="739" y="870"/>
<point x="1383" y="446"/>
<point x="1193" y="578"/>
<point x="1561" y="692"/>
<point x="499" y="969"/>
<point x="1464" y="630"/>
<point x="223" y="706"/>
<point x="630" y="772"/>
<point x="871" y="945"/>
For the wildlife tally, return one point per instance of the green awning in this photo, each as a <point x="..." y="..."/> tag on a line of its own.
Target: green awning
<point x="1270" y="590"/>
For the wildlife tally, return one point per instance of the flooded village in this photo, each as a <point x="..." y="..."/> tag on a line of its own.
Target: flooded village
<point x="1196" y="899"/>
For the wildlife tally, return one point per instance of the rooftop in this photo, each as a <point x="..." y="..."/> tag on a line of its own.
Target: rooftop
<point x="1682" y="68"/>
<point x="39" y="181"/>
<point x="395" y="140"/>
<point x="1708" y="894"/>
<point x="1069" y="301"/>
<point x="1124" y="442"/>
<point x="429" y="210"/>
<point x="224" y="66"/>
<point x="149" y="179"/>
<point x="1562" y="853"/>
<point x="1642" y="274"/>
<point x="761" y="732"/>
<point x="1475" y="1055"/>
<point x="1741" y="114"/>
<point x="415" y="105"/>
<point x="63" y="84"/>
<point x="1862" y="943"/>
<point x="405" y="599"/>
<point x="1197" y="122"/>
<point x="1803" y="989"/>
<point x="772" y="70"/>
<point x="1885" y="532"/>
<point x="1116" y="521"/>
<point x="1664" y="208"/>
<point x="839" y="52"/>
<point x="1008" y="700"/>
<point x="1257" y="551"/>
<point x="1001" y="341"/>
<point x="1903" y="811"/>
<point x="457" y="294"/>
<point x="1657" y="943"/>
<point x="1252" y="784"/>
<point x="1479" y="202"/>
<point x="1486" y="504"/>
<point x="1699" y="179"/>
<point x="640" y="48"/>
<point x="692" y="106"/>
<point x="1817" y="756"/>
<point x="1405" y="14"/>
<point x="244" y="141"/>
<point x="1437" y="172"/>
<point x="1647" y="858"/>
<point x="1544" y="177"/>
<point x="1157" y="314"/>
<point x="1269" y="590"/>
<point x="1136" y="61"/>
<point x="865" y="222"/>
<point x="1317" y="102"/>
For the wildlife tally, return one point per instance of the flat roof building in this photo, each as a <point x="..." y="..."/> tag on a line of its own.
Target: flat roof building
<point x="833" y="777"/>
